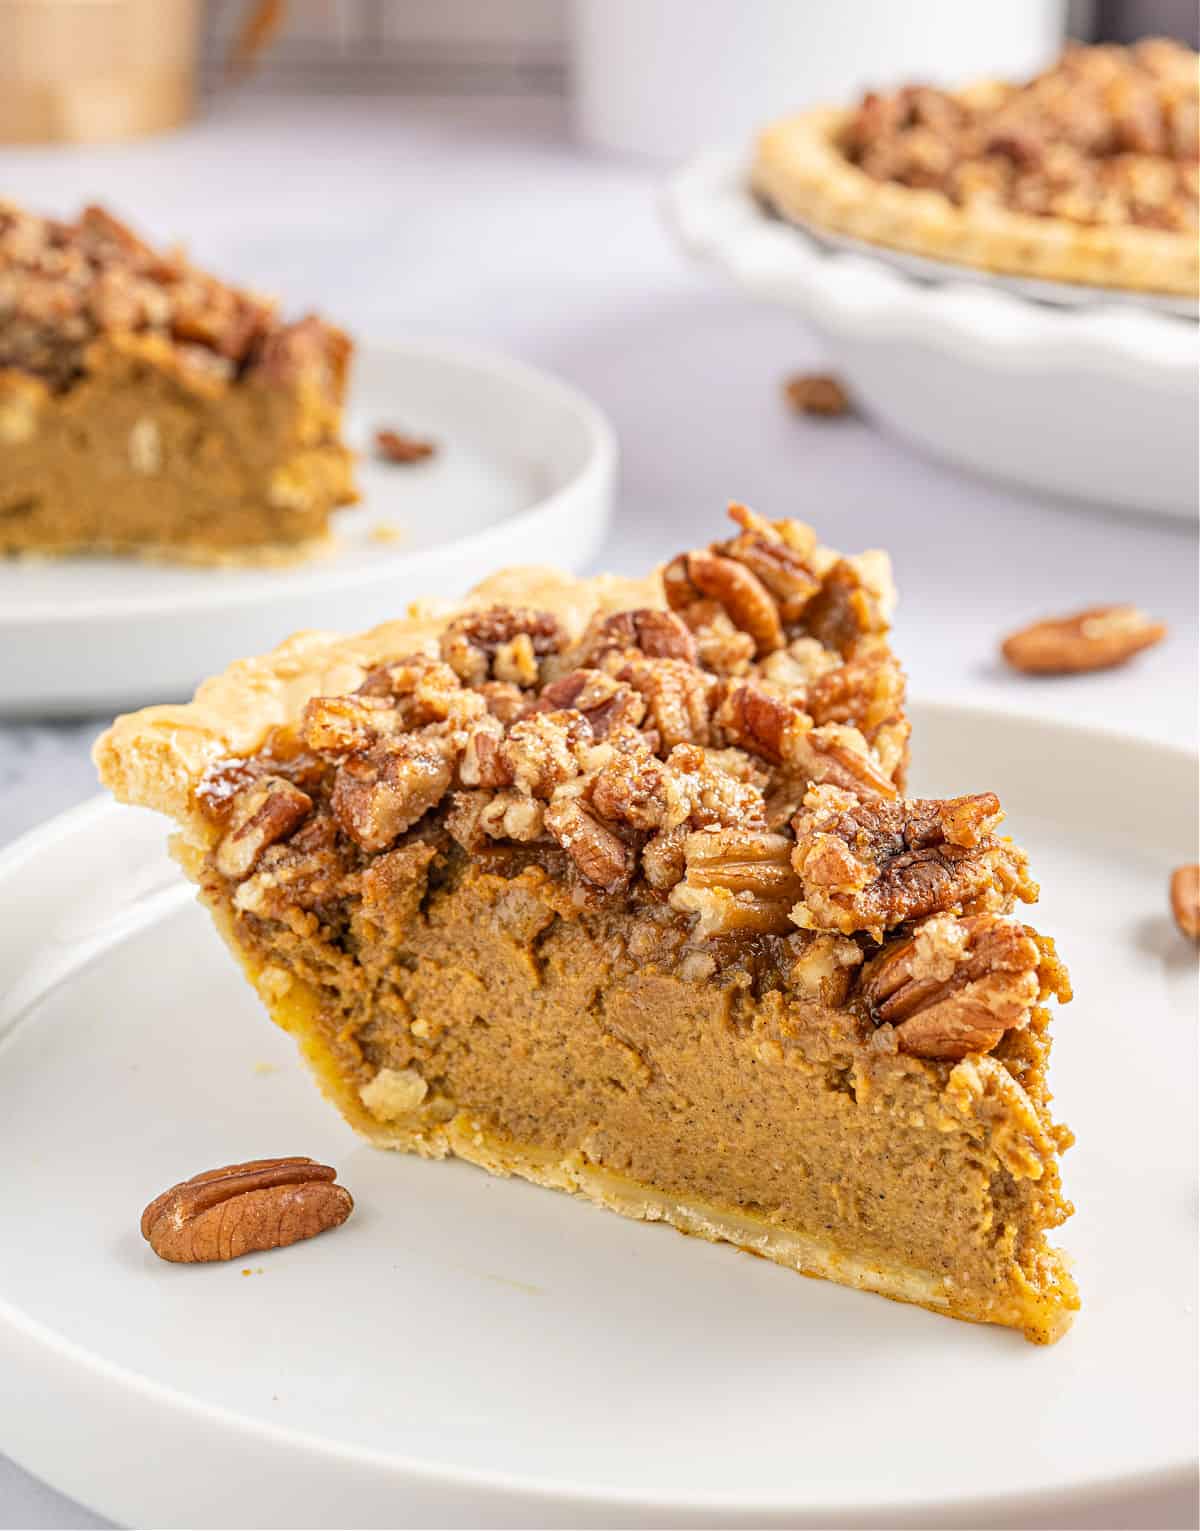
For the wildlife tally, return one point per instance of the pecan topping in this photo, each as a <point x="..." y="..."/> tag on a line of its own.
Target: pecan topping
<point x="739" y="593"/>
<point x="226" y="1213"/>
<point x="546" y="749"/>
<point x="1097" y="639"/>
<point x="378" y="795"/>
<point x="816" y="393"/>
<point x="677" y="698"/>
<point x="843" y="610"/>
<point x="268" y="810"/>
<point x="1185" y="900"/>
<point x="657" y="634"/>
<point x="1106" y="136"/>
<point x="956" y="985"/>
<point x="738" y="880"/>
<point x="503" y="643"/>
<point x="398" y="446"/>
<point x="603" y="701"/>
<point x="869" y="865"/>
<point x="600" y="856"/>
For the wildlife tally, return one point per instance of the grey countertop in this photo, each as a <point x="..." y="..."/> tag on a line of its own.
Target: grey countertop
<point x="478" y="220"/>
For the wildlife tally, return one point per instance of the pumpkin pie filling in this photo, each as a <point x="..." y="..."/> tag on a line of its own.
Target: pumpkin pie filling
<point x="615" y="887"/>
<point x="147" y="408"/>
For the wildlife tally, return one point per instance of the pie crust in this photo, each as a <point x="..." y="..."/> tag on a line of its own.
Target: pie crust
<point x="801" y="173"/>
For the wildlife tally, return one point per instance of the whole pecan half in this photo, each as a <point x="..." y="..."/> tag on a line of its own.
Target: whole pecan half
<point x="601" y="857"/>
<point x="956" y="985"/>
<point x="869" y="865"/>
<point x="692" y="577"/>
<point x="737" y="880"/>
<point x="1096" y="639"/>
<point x="816" y="393"/>
<point x="226" y="1213"/>
<point x="1185" y="900"/>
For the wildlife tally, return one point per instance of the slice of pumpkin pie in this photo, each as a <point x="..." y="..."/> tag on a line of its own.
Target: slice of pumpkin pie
<point x="613" y="885"/>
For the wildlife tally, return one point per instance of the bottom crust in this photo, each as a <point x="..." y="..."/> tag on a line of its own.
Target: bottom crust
<point x="1041" y="1321"/>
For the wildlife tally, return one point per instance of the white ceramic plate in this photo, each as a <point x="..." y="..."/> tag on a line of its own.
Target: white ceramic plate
<point x="471" y="1351"/>
<point x="524" y="474"/>
<point x="1097" y="403"/>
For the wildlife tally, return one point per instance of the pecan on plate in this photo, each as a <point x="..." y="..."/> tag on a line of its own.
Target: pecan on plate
<point x="1185" y="900"/>
<point x="266" y="811"/>
<point x="956" y="985"/>
<point x="816" y="393"/>
<point x="1097" y="639"/>
<point x="868" y="865"/>
<point x="226" y="1213"/>
<point x="737" y="880"/>
<point x="400" y="447"/>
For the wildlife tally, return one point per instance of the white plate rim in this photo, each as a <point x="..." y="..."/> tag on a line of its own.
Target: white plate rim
<point x="252" y="588"/>
<point x="524" y="1491"/>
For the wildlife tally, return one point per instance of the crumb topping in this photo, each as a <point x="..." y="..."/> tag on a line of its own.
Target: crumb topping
<point x="1107" y="135"/>
<point x="64" y="285"/>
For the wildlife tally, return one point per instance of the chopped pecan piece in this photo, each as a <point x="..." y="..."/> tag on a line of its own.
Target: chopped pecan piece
<point x="866" y="691"/>
<point x="343" y="725"/>
<point x="266" y="811"/>
<point x="782" y="733"/>
<point x="601" y="857"/>
<point x="482" y="645"/>
<point x="737" y="880"/>
<point x="692" y="577"/>
<point x="605" y="702"/>
<point x="869" y="865"/>
<point x="756" y="719"/>
<point x="677" y="698"/>
<point x="545" y="750"/>
<point x="956" y="985"/>
<point x="1097" y="639"/>
<point x="782" y="569"/>
<point x="483" y="763"/>
<point x="657" y="634"/>
<point x="843" y="611"/>
<point x="381" y="793"/>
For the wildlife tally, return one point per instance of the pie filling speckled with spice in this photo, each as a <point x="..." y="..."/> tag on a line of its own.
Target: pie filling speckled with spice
<point x="613" y="885"/>
<point x="147" y="408"/>
<point x="1086" y="173"/>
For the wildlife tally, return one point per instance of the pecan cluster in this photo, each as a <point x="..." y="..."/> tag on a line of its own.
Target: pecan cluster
<point x="64" y="284"/>
<point x="737" y="755"/>
<point x="1108" y="135"/>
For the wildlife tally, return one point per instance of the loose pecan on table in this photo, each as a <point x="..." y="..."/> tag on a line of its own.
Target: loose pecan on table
<point x="816" y="393"/>
<point x="1097" y="639"/>
<point x="226" y="1213"/>
<point x="1185" y="900"/>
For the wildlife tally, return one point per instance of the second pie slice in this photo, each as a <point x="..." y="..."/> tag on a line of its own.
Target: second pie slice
<point x="613" y="885"/>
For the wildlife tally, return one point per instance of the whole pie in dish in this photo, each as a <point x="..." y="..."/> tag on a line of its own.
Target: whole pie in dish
<point x="614" y="885"/>
<point x="148" y="408"/>
<point x="1086" y="173"/>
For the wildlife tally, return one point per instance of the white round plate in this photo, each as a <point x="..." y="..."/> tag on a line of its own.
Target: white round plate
<point x="1096" y="403"/>
<point x="524" y="473"/>
<point x="473" y="1351"/>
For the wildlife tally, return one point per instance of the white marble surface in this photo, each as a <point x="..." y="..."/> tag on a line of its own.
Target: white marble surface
<point x="478" y="220"/>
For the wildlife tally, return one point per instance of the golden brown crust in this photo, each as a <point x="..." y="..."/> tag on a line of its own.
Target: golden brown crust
<point x="156" y="757"/>
<point x="800" y="170"/>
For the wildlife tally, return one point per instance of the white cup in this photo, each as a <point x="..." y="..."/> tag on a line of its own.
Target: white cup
<point x="665" y="78"/>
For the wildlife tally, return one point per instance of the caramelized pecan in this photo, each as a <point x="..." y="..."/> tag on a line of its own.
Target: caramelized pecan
<point x="502" y="643"/>
<point x="956" y="985"/>
<point x="266" y="811"/>
<point x="868" y="865"/>
<point x="601" y="857"/>
<point x="740" y="593"/>
<point x="737" y="880"/>
<point x="381" y="793"/>
<point x="677" y="698"/>
<point x="605" y="702"/>
<point x="657" y="634"/>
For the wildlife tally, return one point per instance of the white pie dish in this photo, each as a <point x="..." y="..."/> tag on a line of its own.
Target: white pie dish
<point x="1095" y="401"/>
<point x="468" y="1351"/>
<point x="524" y="473"/>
